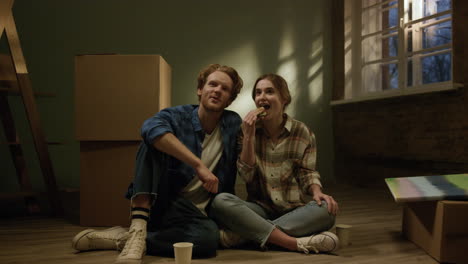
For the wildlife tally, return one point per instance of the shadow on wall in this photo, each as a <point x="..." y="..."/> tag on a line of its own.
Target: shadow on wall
<point x="255" y="37"/>
<point x="306" y="65"/>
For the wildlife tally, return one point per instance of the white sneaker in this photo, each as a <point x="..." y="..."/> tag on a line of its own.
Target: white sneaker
<point x="91" y="239"/>
<point x="135" y="246"/>
<point x="322" y="242"/>
<point x="229" y="239"/>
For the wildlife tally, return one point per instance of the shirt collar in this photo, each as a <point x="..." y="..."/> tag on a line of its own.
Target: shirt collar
<point x="287" y="125"/>
<point x="196" y="120"/>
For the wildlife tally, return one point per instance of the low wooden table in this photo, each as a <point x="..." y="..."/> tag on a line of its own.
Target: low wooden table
<point x="435" y="213"/>
<point x="429" y="188"/>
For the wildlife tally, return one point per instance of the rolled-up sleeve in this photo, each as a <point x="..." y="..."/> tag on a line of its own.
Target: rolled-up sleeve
<point x="158" y="125"/>
<point x="245" y="171"/>
<point x="307" y="173"/>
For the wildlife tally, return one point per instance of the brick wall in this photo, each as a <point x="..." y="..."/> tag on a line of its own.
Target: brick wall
<point x="425" y="134"/>
<point x="408" y="136"/>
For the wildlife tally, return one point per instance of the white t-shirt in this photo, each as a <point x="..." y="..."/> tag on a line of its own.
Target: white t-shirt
<point x="212" y="149"/>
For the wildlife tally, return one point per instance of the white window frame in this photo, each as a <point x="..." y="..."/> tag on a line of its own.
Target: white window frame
<point x="354" y="90"/>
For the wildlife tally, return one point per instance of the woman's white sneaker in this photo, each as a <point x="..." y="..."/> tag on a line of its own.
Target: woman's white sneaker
<point x="323" y="242"/>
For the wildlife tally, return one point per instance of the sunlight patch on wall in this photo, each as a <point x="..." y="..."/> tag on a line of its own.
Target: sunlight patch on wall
<point x="315" y="76"/>
<point x="316" y="88"/>
<point x="315" y="72"/>
<point x="286" y="48"/>
<point x="317" y="48"/>
<point x="287" y="68"/>
<point x="247" y="67"/>
<point x="288" y="71"/>
<point x="348" y="66"/>
<point x="316" y="68"/>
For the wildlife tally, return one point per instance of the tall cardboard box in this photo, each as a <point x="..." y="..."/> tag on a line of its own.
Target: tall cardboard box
<point x="440" y="228"/>
<point x="114" y="94"/>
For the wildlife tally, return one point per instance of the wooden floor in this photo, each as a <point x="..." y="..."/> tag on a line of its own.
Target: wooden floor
<point x="376" y="238"/>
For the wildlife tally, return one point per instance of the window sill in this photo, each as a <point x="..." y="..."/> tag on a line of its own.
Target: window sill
<point x="429" y="88"/>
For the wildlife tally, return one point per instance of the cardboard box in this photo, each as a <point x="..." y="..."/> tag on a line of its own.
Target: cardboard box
<point x="106" y="170"/>
<point x="440" y="228"/>
<point x="114" y="94"/>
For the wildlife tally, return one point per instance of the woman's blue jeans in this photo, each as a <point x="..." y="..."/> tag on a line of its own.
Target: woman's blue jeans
<point x="252" y="222"/>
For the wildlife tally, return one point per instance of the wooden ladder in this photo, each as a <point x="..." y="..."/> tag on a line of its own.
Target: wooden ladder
<point x="18" y="83"/>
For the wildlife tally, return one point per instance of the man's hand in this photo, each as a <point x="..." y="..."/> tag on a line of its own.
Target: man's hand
<point x="171" y="145"/>
<point x="209" y="180"/>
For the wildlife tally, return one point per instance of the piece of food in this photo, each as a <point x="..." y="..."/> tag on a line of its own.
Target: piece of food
<point x="264" y="113"/>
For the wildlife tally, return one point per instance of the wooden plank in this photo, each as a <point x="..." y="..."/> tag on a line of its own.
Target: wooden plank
<point x="17" y="155"/>
<point x="15" y="46"/>
<point x="14" y="195"/>
<point x="375" y="238"/>
<point x="40" y="143"/>
<point x="7" y="24"/>
<point x="13" y="91"/>
<point x="15" y="150"/>
<point x="19" y="143"/>
<point x="5" y="12"/>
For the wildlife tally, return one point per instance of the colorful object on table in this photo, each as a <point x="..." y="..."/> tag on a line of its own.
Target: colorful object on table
<point x="429" y="188"/>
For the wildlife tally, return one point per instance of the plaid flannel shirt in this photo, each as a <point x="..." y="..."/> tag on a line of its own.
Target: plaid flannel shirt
<point x="284" y="171"/>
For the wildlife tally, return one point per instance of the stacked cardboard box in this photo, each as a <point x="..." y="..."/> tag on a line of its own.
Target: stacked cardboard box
<point x="114" y="94"/>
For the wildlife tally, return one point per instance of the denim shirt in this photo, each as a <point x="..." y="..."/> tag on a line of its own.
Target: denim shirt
<point x="184" y="123"/>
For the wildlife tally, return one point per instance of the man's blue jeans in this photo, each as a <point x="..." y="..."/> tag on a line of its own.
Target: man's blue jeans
<point x="252" y="222"/>
<point x="173" y="219"/>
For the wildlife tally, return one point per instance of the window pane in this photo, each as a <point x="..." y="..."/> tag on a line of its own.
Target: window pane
<point x="409" y="82"/>
<point x="372" y="20"/>
<point x="410" y="40"/>
<point x="390" y="46"/>
<point x="438" y="34"/>
<point x="379" y="77"/>
<point x="372" y="78"/>
<point x="391" y="15"/>
<point x="390" y="76"/>
<point x="437" y="68"/>
<point x="370" y="49"/>
<point x="418" y="9"/>
<point x="379" y="17"/>
<point x="421" y="37"/>
<point x="367" y="3"/>
<point x="376" y="48"/>
<point x="432" y="7"/>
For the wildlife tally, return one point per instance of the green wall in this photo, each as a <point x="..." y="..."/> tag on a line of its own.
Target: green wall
<point x="291" y="38"/>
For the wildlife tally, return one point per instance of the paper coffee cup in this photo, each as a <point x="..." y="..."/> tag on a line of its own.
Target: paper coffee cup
<point x="343" y="232"/>
<point x="183" y="252"/>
